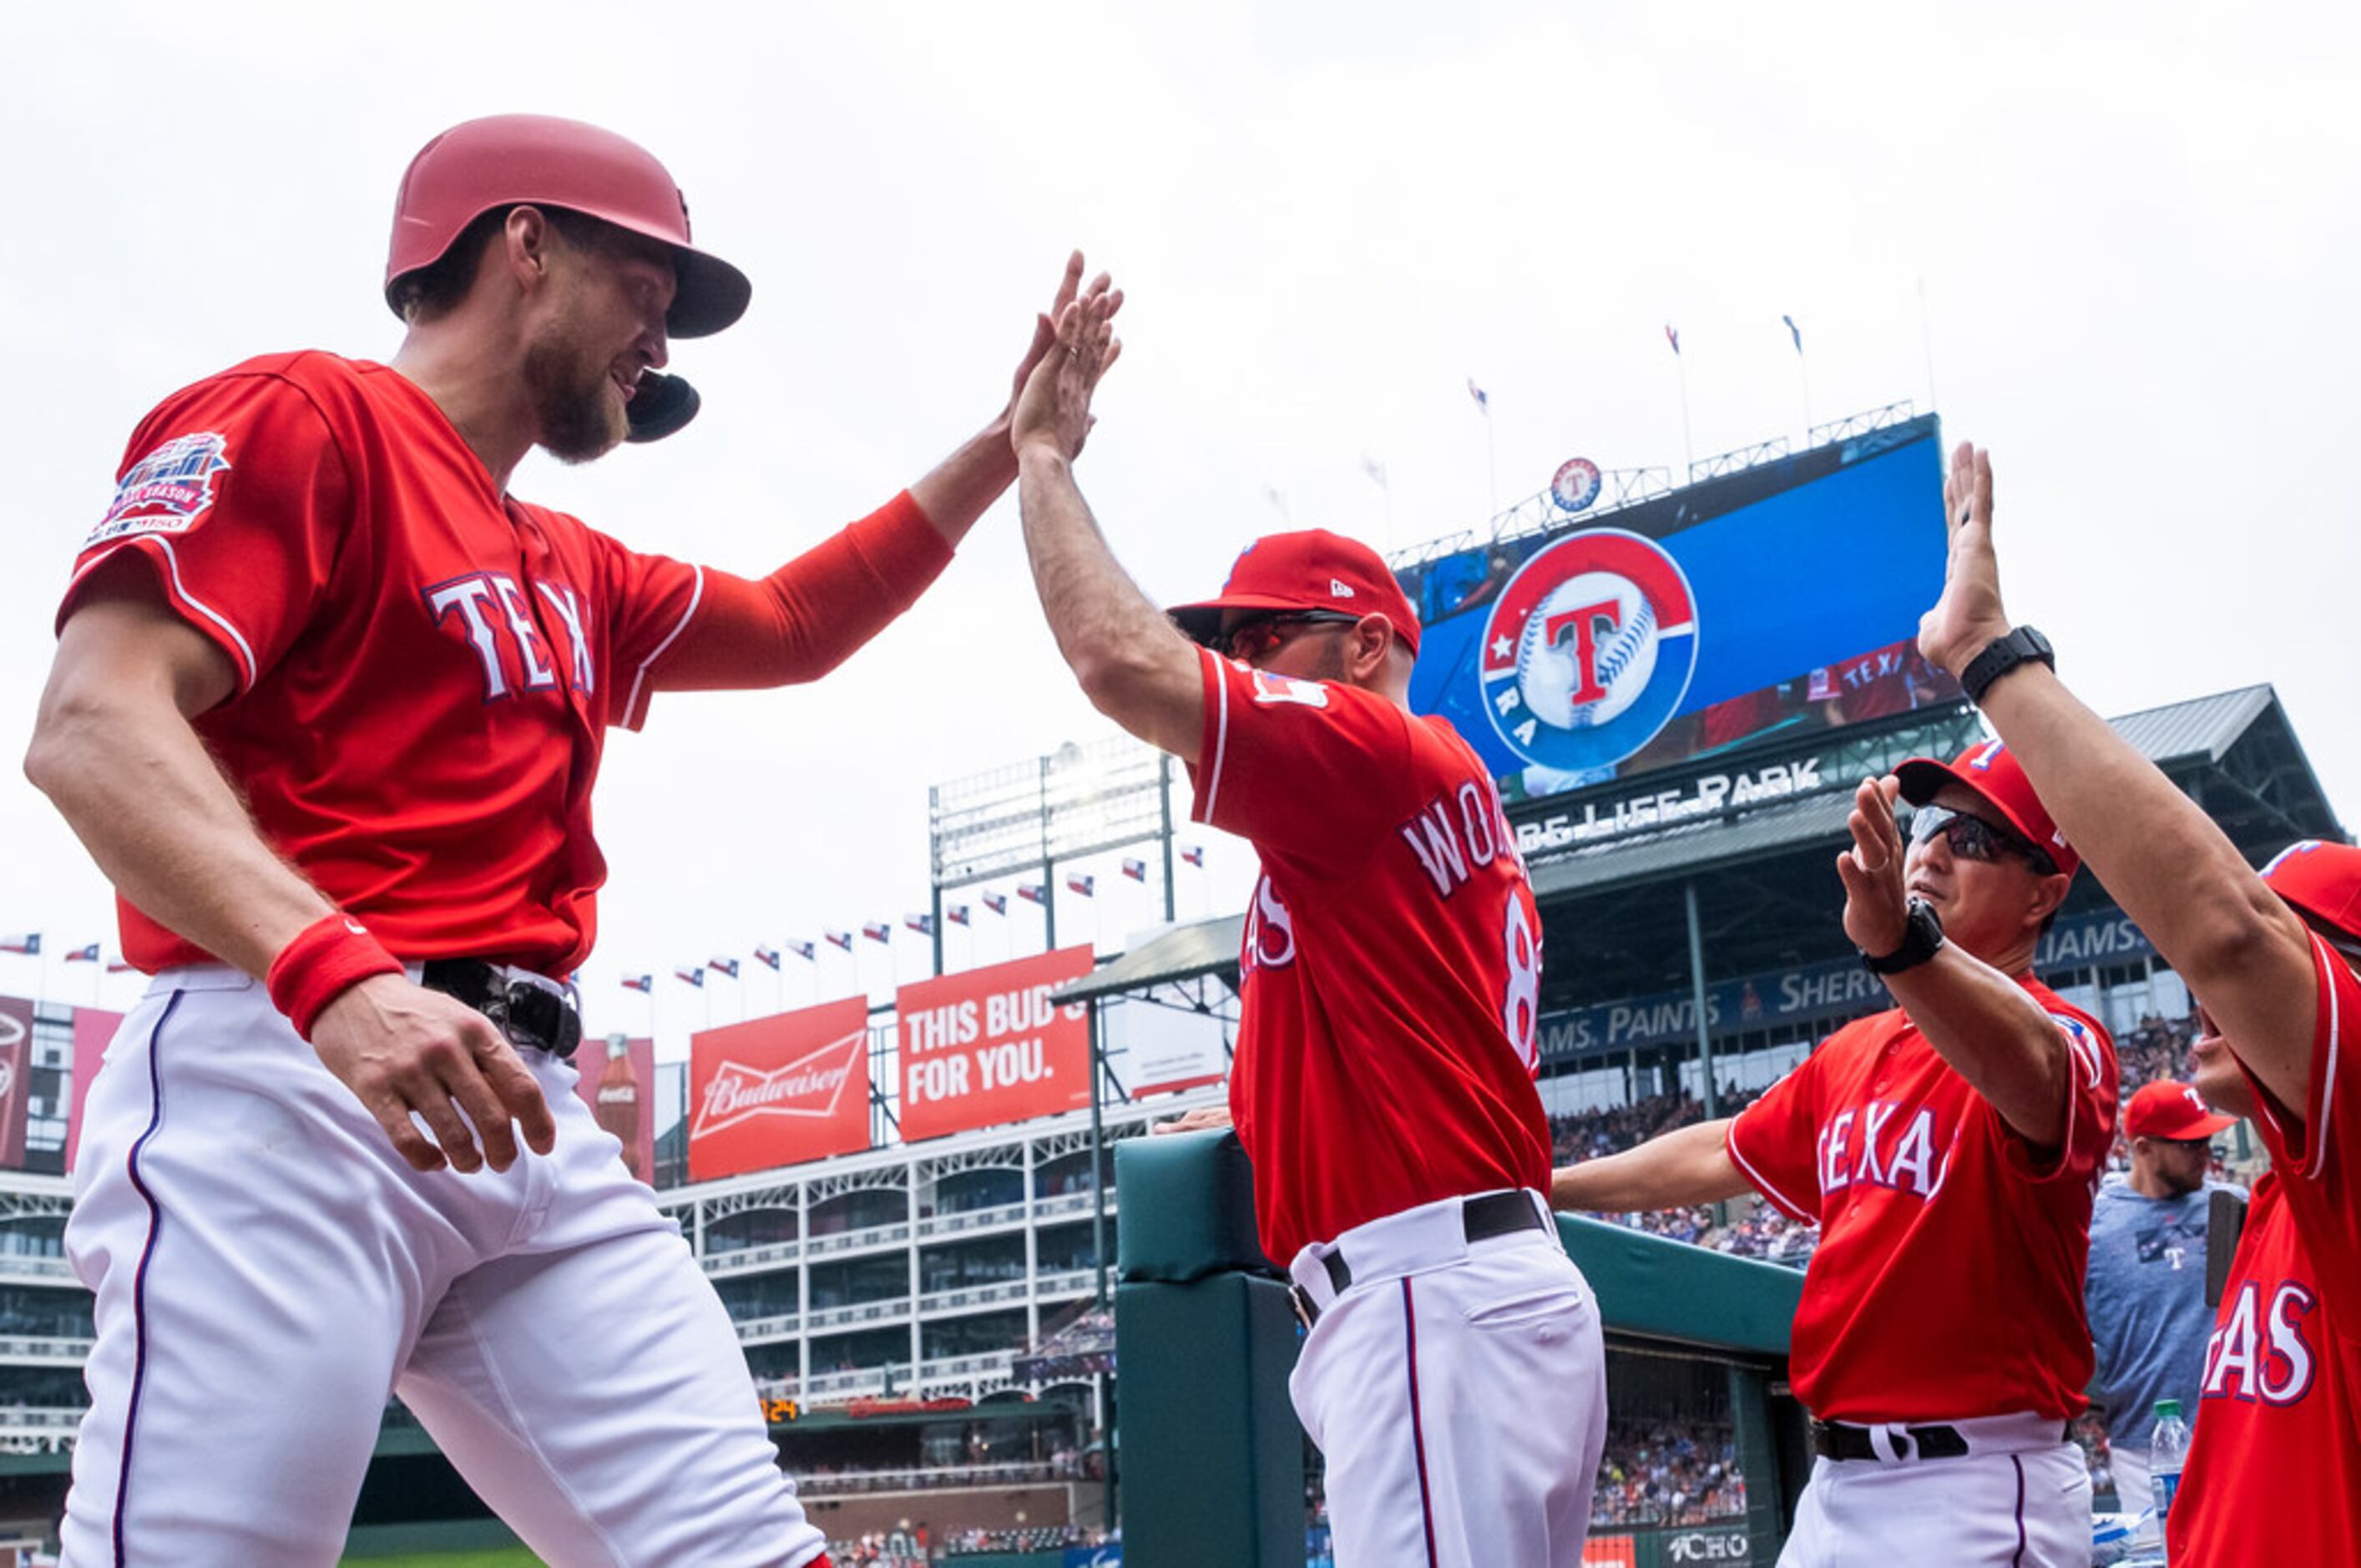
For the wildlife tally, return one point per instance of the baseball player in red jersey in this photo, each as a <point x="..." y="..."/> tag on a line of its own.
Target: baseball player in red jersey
<point x="327" y="706"/>
<point x="2274" y="1476"/>
<point x="1949" y="1148"/>
<point x="1383" y="1087"/>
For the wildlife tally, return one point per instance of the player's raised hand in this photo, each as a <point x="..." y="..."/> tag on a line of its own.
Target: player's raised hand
<point x="400" y="1048"/>
<point x="1969" y="615"/>
<point x="1054" y="407"/>
<point x="1202" y="1119"/>
<point x="1877" y="910"/>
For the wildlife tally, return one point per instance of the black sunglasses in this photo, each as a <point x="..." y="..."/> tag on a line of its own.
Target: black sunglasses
<point x="1973" y="839"/>
<point x="1251" y="639"/>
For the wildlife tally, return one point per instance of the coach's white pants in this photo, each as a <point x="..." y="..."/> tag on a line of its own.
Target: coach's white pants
<point x="1458" y="1393"/>
<point x="268" y="1270"/>
<point x="2000" y="1506"/>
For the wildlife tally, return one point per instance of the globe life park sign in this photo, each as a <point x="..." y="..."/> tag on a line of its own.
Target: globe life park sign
<point x="1706" y="796"/>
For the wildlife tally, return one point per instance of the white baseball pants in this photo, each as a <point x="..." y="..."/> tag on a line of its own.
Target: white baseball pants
<point x="2018" y="1498"/>
<point x="1458" y="1392"/>
<point x="268" y="1270"/>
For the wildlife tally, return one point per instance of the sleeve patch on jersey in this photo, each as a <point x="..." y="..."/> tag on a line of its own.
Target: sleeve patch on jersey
<point x="2078" y="1040"/>
<point x="167" y="490"/>
<point x="1270" y="688"/>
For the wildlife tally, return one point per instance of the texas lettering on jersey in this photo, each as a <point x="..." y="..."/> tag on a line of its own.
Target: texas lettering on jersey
<point x="494" y="614"/>
<point x="2261" y="1347"/>
<point x="1864" y="1147"/>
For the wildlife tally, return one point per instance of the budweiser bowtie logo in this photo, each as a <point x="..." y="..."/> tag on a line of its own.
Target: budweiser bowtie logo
<point x="811" y="1085"/>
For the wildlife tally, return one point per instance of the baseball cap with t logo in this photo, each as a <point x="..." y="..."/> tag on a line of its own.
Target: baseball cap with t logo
<point x="1311" y="570"/>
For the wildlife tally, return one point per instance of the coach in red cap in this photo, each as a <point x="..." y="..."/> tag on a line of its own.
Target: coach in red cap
<point x="2274" y="1476"/>
<point x="1947" y="1148"/>
<point x="1454" y="1376"/>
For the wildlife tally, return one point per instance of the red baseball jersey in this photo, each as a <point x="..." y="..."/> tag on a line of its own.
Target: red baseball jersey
<point x="1949" y="1280"/>
<point x="2275" y="1473"/>
<point x="1390" y="974"/>
<point x="425" y="667"/>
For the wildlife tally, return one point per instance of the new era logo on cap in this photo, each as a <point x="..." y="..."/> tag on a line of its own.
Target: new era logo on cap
<point x="1340" y="588"/>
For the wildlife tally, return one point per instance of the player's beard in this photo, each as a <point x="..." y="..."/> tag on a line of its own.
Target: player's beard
<point x="572" y="396"/>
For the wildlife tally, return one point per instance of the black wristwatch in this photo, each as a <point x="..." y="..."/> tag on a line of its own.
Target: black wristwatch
<point x="2022" y="645"/>
<point x="1922" y="939"/>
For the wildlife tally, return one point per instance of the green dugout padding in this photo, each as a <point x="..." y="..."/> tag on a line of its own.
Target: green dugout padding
<point x="1212" y="1457"/>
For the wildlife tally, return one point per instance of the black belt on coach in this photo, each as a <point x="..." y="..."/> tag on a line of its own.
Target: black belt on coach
<point x="1493" y="1214"/>
<point x="1837" y="1440"/>
<point x="526" y="1013"/>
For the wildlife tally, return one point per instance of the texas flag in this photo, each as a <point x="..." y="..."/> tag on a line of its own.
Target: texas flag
<point x="1085" y="885"/>
<point x="767" y="957"/>
<point x="638" y="982"/>
<point x="803" y="950"/>
<point x="924" y="925"/>
<point x="1032" y="892"/>
<point x="28" y="942"/>
<point x="956" y="914"/>
<point x="88" y="955"/>
<point x="1135" y="870"/>
<point x="1195" y="854"/>
<point x="840" y="939"/>
<point x="1483" y="399"/>
<point x="997" y="902"/>
<point x="878" y="931"/>
<point x="725" y="966"/>
<point x="121" y="966"/>
<point x="695" y="977"/>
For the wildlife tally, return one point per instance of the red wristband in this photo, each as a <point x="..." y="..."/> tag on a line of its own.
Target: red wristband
<point x="327" y="959"/>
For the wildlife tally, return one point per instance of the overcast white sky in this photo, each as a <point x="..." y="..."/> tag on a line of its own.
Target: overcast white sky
<point x="2136" y="226"/>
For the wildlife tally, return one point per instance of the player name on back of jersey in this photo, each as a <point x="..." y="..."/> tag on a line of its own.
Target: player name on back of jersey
<point x="1457" y="834"/>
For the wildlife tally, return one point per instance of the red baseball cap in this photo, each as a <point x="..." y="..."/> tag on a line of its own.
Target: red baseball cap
<point x="2320" y="879"/>
<point x="1989" y="771"/>
<point x="2167" y="1109"/>
<point x="1314" y="569"/>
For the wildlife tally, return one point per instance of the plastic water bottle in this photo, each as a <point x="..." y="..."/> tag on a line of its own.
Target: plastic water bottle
<point x="2167" y="1451"/>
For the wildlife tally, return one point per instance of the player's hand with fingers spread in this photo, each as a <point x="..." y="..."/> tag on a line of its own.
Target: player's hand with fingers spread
<point x="400" y="1048"/>
<point x="1969" y="615"/>
<point x="1877" y="909"/>
<point x="1053" y="410"/>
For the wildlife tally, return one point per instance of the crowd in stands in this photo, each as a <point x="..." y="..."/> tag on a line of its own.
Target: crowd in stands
<point x="1031" y="1538"/>
<point x="1665" y="1472"/>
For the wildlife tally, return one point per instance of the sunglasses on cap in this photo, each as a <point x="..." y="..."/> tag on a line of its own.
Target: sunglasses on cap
<point x="1973" y="839"/>
<point x="1259" y="635"/>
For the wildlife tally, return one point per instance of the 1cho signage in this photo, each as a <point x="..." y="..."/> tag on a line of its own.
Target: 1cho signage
<point x="987" y="1045"/>
<point x="779" y="1090"/>
<point x="1588" y="651"/>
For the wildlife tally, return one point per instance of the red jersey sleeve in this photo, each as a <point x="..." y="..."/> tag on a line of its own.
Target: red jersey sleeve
<point x="2092" y="1089"/>
<point x="1774" y="1141"/>
<point x="2315" y="1156"/>
<point x="683" y="628"/>
<point x="233" y="495"/>
<point x="1313" y="771"/>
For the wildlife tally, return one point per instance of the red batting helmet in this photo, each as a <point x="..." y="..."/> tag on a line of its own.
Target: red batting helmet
<point x="473" y="167"/>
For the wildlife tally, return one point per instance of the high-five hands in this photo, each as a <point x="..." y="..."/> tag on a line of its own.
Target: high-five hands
<point x="1877" y="910"/>
<point x="1969" y="615"/>
<point x="1053" y="405"/>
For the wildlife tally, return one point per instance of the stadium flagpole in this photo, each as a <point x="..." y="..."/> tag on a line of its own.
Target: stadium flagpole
<point x="1803" y="374"/>
<point x="1681" y="365"/>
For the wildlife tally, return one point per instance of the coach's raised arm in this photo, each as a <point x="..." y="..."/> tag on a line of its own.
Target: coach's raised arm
<point x="2275" y="1474"/>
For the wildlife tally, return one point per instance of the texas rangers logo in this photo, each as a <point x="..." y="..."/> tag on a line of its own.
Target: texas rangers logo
<point x="1590" y="650"/>
<point x="165" y="492"/>
<point x="1574" y="485"/>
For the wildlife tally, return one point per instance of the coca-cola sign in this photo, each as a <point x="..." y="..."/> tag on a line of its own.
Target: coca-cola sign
<point x="779" y="1090"/>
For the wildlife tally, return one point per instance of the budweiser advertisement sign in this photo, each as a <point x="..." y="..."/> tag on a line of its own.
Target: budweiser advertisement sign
<point x="779" y="1090"/>
<point x="16" y="1074"/>
<point x="986" y="1047"/>
<point x="618" y="1075"/>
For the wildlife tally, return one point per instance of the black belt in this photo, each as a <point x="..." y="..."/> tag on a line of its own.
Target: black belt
<point x="1835" y="1440"/>
<point x="525" y="1013"/>
<point x="1481" y="1219"/>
